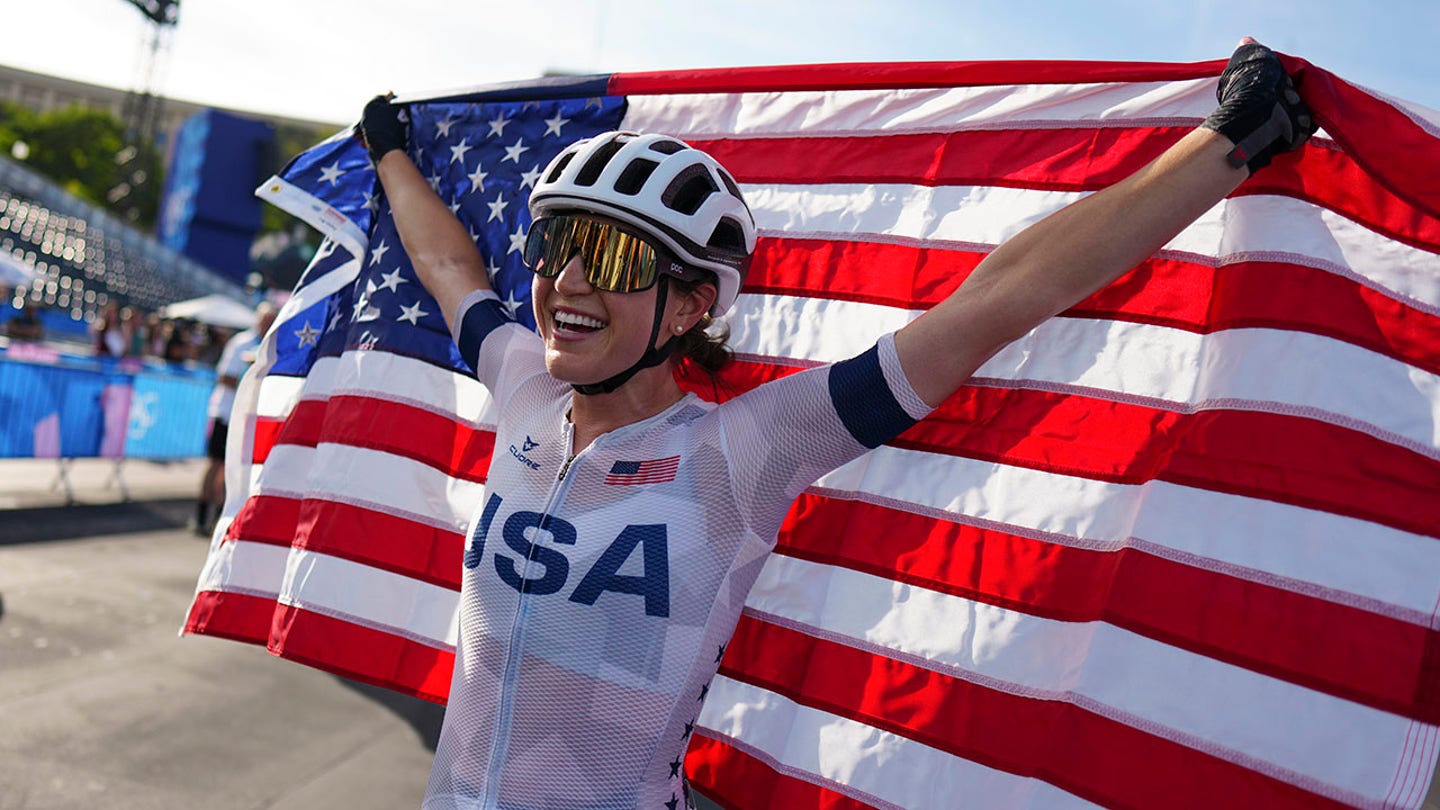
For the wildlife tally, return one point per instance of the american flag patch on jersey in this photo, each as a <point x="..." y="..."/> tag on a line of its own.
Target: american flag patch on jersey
<point x="654" y="471"/>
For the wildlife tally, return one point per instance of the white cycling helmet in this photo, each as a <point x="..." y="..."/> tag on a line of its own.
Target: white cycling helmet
<point x="664" y="187"/>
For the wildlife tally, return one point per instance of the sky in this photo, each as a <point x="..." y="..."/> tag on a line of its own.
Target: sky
<point x="322" y="59"/>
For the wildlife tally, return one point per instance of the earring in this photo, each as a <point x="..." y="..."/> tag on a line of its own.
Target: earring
<point x="679" y="329"/>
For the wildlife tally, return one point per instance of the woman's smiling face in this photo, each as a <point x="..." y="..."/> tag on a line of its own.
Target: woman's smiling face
<point x="590" y="335"/>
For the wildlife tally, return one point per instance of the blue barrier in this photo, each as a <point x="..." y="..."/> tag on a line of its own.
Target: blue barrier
<point x="63" y="406"/>
<point x="57" y="323"/>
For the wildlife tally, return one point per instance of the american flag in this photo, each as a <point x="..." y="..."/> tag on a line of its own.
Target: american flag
<point x="652" y="471"/>
<point x="1177" y="547"/>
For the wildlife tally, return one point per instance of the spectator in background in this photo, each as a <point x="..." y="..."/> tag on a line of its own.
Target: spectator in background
<point x="25" y="324"/>
<point x="154" y="335"/>
<point x="131" y="326"/>
<point x="109" y="334"/>
<point x="177" y="342"/>
<point x="239" y="353"/>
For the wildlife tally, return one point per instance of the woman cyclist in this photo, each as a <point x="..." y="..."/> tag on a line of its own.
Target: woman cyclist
<point x="618" y="537"/>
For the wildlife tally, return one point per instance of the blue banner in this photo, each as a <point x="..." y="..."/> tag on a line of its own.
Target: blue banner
<point x="72" y="407"/>
<point x="167" y="417"/>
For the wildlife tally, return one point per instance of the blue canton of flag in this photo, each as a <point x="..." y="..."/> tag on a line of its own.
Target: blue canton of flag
<point x="483" y="159"/>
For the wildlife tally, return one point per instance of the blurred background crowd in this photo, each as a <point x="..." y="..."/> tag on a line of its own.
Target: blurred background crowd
<point x="122" y="332"/>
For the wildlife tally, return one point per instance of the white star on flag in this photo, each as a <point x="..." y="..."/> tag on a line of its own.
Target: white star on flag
<point x="442" y="128"/>
<point x="497" y="207"/>
<point x="413" y="314"/>
<point x="517" y="240"/>
<point x="378" y="253"/>
<point x="530" y="178"/>
<point x="434" y="181"/>
<point x="363" y="310"/>
<point x="392" y="280"/>
<point x="477" y="178"/>
<point x="497" y="125"/>
<point x="331" y="174"/>
<point x="513" y="152"/>
<point x="512" y="303"/>
<point x="492" y="269"/>
<point x="553" y="125"/>
<point x="372" y="201"/>
<point x="307" y="334"/>
<point x="457" y="152"/>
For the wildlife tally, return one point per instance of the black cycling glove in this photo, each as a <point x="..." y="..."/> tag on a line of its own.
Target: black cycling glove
<point x="1260" y="111"/>
<point x="382" y="127"/>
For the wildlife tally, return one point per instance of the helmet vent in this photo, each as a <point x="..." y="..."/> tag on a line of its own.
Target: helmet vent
<point x="730" y="184"/>
<point x="590" y="172"/>
<point x="560" y="167"/>
<point x="728" y="236"/>
<point x="667" y="147"/>
<point x="689" y="190"/>
<point x="633" y="178"/>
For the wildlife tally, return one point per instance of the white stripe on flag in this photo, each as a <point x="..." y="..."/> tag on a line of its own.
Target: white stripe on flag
<point x="1377" y="563"/>
<point x="386" y="483"/>
<point x="1252" y="226"/>
<point x="380" y="375"/>
<point x="884" y="765"/>
<point x="372" y="597"/>
<point x="1268" y="370"/>
<point x="893" y="111"/>
<point x="1227" y="710"/>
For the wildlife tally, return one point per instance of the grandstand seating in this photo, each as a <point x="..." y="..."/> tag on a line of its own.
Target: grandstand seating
<point x="85" y="256"/>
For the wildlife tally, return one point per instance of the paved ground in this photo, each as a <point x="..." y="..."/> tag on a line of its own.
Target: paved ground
<point x="104" y="706"/>
<point x="37" y="483"/>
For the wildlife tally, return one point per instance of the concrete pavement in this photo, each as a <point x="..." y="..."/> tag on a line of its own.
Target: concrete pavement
<point x="104" y="706"/>
<point x="32" y="483"/>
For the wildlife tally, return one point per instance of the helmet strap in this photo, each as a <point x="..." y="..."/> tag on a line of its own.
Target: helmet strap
<point x="653" y="356"/>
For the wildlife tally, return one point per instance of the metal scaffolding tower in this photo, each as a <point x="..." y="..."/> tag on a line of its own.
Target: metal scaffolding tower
<point x="143" y="106"/>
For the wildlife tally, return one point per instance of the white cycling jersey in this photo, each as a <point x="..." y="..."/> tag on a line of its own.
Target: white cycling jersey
<point x="600" y="588"/>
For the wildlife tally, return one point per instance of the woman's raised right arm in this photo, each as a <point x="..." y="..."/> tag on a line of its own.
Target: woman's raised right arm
<point x="445" y="258"/>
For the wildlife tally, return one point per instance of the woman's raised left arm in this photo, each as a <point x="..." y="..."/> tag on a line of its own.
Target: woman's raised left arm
<point x="1062" y="259"/>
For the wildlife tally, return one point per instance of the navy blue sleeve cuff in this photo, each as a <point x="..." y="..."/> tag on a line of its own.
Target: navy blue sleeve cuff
<point x="483" y="316"/>
<point x="864" y="401"/>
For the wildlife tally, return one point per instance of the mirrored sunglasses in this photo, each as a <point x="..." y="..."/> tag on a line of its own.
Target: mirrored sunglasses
<point x="615" y="259"/>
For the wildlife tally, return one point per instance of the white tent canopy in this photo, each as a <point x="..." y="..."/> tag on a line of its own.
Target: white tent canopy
<point x="15" y="271"/>
<point x="215" y="309"/>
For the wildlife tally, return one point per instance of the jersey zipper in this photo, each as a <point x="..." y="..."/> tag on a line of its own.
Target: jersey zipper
<point x="501" y="740"/>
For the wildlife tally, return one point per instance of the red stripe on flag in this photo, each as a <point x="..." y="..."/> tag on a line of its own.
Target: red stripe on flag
<point x="388" y="542"/>
<point x="1091" y="756"/>
<point x="1277" y="457"/>
<point x="735" y="779"/>
<point x="1061" y="159"/>
<point x="1365" y="657"/>
<point x="1395" y="151"/>
<point x="267" y="432"/>
<point x="361" y="653"/>
<point x="326" y="643"/>
<point x="1164" y="292"/>
<point x="459" y="450"/>
<point x="892" y="75"/>
<point x="1065" y="159"/>
<point x="236" y="616"/>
